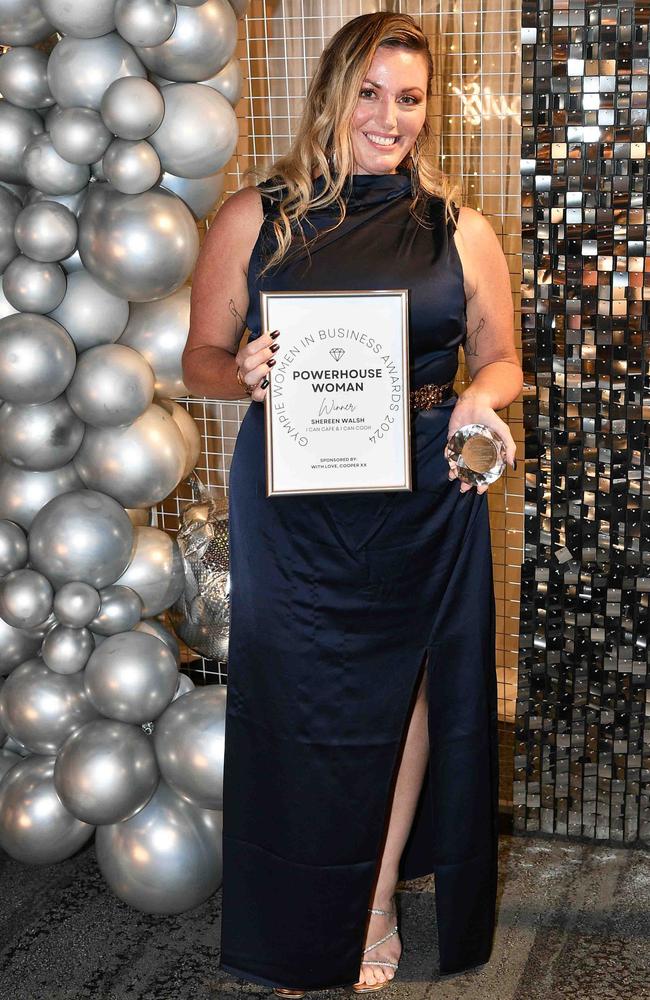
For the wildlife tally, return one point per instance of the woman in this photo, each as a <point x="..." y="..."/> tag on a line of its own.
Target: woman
<point x="361" y="722"/>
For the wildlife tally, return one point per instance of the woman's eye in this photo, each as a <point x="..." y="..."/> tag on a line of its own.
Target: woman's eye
<point x="367" y="92"/>
<point x="410" y="98"/>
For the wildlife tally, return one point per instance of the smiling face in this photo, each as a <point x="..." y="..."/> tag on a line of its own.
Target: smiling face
<point x="390" y="111"/>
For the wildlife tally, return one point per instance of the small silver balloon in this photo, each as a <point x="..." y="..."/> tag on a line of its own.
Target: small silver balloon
<point x="13" y="547"/>
<point x="112" y="386"/>
<point x="35" y="826"/>
<point x="15" y="746"/>
<point x="201" y="195"/>
<point x="106" y="772"/>
<point x="166" y="858"/>
<point x="152" y="626"/>
<point x="83" y="18"/>
<point x="79" y="135"/>
<point x="10" y="209"/>
<point x="18" y="126"/>
<point x="46" y="231"/>
<point x="66" y="650"/>
<point x="7" y="760"/>
<point x="202" y="42"/>
<point x="81" y="69"/>
<point x="23" y="492"/>
<point x="22" y="22"/>
<point x="25" y="598"/>
<point x="42" y="708"/>
<point x="229" y="81"/>
<point x="82" y="536"/>
<point x="191" y="435"/>
<point x="158" y="331"/>
<point x="191" y="730"/>
<point x="23" y="78"/>
<point x="132" y="108"/>
<point x="39" y="436"/>
<point x="89" y="313"/>
<point x="37" y="358"/>
<point x="145" y="22"/>
<point x="155" y="571"/>
<point x="131" y="677"/>
<point x="33" y="286"/>
<point x="73" y="201"/>
<point x="16" y="646"/>
<point x="120" y="610"/>
<point x="49" y="172"/>
<point x="131" y="166"/>
<point x="184" y="685"/>
<point x="199" y="131"/>
<point x="72" y="263"/>
<point x="76" y="604"/>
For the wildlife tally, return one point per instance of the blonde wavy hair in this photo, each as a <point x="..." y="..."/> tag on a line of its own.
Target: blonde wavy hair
<point x="322" y="144"/>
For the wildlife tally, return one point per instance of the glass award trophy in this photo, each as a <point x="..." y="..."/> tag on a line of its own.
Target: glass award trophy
<point x="478" y="453"/>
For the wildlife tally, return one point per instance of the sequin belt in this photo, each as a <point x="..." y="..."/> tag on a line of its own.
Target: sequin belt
<point x="430" y="395"/>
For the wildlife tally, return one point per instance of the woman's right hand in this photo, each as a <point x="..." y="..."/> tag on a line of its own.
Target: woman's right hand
<point x="255" y="361"/>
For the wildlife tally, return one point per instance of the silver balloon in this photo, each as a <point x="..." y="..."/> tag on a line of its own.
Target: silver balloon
<point x="7" y="760"/>
<point x="46" y="231"/>
<point x="66" y="650"/>
<point x="239" y="6"/>
<point x="154" y="627"/>
<point x="200" y="195"/>
<point x="132" y="108"/>
<point x="228" y="81"/>
<point x="76" y="604"/>
<point x="72" y="263"/>
<point x="10" y="209"/>
<point x="199" y="131"/>
<point x="184" y="685"/>
<point x="120" y="610"/>
<point x="155" y="571"/>
<point x="140" y="246"/>
<point x="189" y="743"/>
<point x="49" y="172"/>
<point x="18" y="127"/>
<point x="37" y="358"/>
<point x="132" y="677"/>
<point x="13" y="547"/>
<point x="72" y="201"/>
<point x="25" y="598"/>
<point x="23" y="493"/>
<point x="79" y="135"/>
<point x="166" y="858"/>
<point x="83" y="18"/>
<point x="191" y="435"/>
<point x="112" y="386"/>
<point x="5" y="308"/>
<point x="42" y="708"/>
<point x="145" y="22"/>
<point x="139" y="464"/>
<point x="35" y="826"/>
<point x="81" y="69"/>
<point x="40" y="437"/>
<point x="202" y="42"/>
<point x="131" y="166"/>
<point x="139" y="516"/>
<point x="33" y="286"/>
<point x="81" y="536"/>
<point x="106" y="772"/>
<point x="23" y="78"/>
<point x="16" y="646"/>
<point x="158" y="331"/>
<point x="22" y="22"/>
<point x="89" y="313"/>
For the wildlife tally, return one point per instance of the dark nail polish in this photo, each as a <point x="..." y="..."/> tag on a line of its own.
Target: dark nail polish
<point x="264" y="383"/>
<point x="271" y="362"/>
<point x="276" y="333"/>
<point x="275" y="347"/>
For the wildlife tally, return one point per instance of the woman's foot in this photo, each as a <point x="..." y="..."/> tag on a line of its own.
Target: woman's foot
<point x="378" y="927"/>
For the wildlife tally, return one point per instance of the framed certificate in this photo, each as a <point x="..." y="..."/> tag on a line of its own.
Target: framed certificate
<point x="337" y="416"/>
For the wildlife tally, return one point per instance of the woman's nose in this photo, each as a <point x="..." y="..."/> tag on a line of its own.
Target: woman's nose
<point x="389" y="115"/>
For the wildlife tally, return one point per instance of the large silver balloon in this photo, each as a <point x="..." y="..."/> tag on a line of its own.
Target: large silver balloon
<point x="35" y="826"/>
<point x="49" y="172"/>
<point x="131" y="677"/>
<point x="22" y="22"/>
<point x="131" y="165"/>
<point x="82" y="18"/>
<point x="23" y="78"/>
<point x="152" y="626"/>
<point x="189" y="742"/>
<point x="18" y="126"/>
<point x="13" y="547"/>
<point x="199" y="131"/>
<point x="23" y="493"/>
<point x="158" y="331"/>
<point x="82" y="535"/>
<point x="155" y="571"/>
<point x="132" y="108"/>
<point x="16" y="646"/>
<point x="42" y="708"/>
<point x="139" y="464"/>
<point x="79" y="135"/>
<point x="90" y="313"/>
<point x="202" y="42"/>
<point x="42" y="436"/>
<point x="81" y="69"/>
<point x="10" y="209"/>
<point x="166" y="858"/>
<point x="111" y="386"/>
<point x="37" y="358"/>
<point x="145" y="22"/>
<point x="25" y="598"/>
<point x="140" y="246"/>
<point x="120" y="610"/>
<point x="46" y="231"/>
<point x="66" y="650"/>
<point x="106" y="772"/>
<point x="200" y="195"/>
<point x="33" y="286"/>
<point x="76" y="604"/>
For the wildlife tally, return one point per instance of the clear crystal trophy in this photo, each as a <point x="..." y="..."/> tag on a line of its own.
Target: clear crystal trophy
<point x="478" y="453"/>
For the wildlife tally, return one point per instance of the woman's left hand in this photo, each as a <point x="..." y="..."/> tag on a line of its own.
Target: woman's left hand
<point x="473" y="409"/>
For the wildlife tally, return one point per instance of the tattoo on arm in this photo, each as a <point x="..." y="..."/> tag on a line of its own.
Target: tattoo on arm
<point x="471" y="343"/>
<point x="233" y="312"/>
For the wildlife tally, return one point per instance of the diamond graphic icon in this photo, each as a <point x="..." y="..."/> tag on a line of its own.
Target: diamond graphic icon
<point x="337" y="353"/>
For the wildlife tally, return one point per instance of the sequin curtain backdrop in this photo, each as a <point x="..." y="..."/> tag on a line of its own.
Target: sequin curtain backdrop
<point x="583" y="735"/>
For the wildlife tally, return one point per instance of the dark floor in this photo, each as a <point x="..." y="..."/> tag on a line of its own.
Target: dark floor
<point x="574" y="922"/>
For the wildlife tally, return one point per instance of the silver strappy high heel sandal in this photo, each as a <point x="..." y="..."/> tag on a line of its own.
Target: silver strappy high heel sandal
<point x="364" y="987"/>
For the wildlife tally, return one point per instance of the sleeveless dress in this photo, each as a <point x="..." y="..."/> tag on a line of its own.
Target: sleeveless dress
<point x="335" y="600"/>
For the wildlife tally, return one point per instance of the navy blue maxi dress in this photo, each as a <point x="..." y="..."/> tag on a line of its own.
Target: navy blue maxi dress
<point x="335" y="600"/>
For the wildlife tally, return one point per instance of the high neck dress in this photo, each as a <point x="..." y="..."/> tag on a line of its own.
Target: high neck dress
<point x="335" y="600"/>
